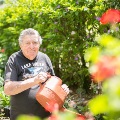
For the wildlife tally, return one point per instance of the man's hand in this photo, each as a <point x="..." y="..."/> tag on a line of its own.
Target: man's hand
<point x="14" y="87"/>
<point x="41" y="77"/>
<point x="66" y="89"/>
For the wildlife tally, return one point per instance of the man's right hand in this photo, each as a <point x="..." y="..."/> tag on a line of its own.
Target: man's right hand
<point x="42" y="77"/>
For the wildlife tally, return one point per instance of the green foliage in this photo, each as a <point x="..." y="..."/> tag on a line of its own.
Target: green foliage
<point x="67" y="27"/>
<point x="65" y="33"/>
<point x="109" y="101"/>
<point x="4" y="100"/>
<point x="26" y="117"/>
<point x="55" y="116"/>
<point x="3" y="59"/>
<point x="101" y="101"/>
<point x="1" y="2"/>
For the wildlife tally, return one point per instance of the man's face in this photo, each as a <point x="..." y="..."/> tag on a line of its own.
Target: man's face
<point x="30" y="46"/>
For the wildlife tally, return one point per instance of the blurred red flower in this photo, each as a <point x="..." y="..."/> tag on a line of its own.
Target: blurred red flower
<point x="2" y="50"/>
<point x="110" y="16"/>
<point x="80" y="117"/>
<point x="105" y="68"/>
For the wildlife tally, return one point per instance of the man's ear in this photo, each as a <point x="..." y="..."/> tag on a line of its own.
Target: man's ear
<point x="20" y="45"/>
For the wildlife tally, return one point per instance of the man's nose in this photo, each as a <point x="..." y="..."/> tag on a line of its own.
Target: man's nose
<point x="31" y="45"/>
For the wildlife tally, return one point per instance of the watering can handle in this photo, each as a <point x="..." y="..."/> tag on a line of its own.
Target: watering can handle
<point x="48" y="76"/>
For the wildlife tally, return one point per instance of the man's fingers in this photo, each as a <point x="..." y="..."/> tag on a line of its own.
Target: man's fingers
<point x="66" y="89"/>
<point x="42" y="76"/>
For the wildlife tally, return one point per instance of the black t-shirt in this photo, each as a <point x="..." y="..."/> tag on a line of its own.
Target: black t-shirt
<point x="19" y="68"/>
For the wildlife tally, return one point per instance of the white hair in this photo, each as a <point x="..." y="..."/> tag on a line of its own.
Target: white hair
<point x="29" y="31"/>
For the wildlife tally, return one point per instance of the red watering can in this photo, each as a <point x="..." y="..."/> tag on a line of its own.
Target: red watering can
<point x="51" y="93"/>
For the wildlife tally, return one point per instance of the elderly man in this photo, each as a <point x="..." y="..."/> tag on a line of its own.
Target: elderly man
<point x="24" y="71"/>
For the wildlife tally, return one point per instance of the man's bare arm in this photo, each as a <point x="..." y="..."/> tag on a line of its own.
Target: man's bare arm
<point x="15" y="87"/>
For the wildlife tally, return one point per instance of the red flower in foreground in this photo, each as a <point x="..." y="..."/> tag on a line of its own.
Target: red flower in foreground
<point x="110" y="16"/>
<point x="80" y="117"/>
<point x="2" y="50"/>
<point x="106" y="67"/>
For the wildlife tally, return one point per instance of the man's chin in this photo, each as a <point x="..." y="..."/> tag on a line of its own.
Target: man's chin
<point x="31" y="57"/>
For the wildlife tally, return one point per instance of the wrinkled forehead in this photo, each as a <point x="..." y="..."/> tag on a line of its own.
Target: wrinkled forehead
<point x="28" y="38"/>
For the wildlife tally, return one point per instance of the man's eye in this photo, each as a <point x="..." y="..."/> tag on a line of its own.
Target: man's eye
<point x="27" y="43"/>
<point x="35" y="43"/>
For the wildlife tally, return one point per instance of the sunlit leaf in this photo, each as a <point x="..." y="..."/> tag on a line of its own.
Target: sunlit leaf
<point x="106" y="40"/>
<point x="92" y="54"/>
<point x="27" y="117"/>
<point x="99" y="104"/>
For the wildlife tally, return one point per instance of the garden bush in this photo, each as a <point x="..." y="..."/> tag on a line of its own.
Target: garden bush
<point x="68" y="28"/>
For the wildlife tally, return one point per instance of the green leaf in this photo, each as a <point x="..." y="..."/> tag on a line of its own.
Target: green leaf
<point x="27" y="117"/>
<point x="99" y="104"/>
<point x="107" y="41"/>
<point x="92" y="54"/>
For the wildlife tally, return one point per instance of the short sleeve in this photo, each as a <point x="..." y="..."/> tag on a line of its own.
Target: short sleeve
<point x="50" y="65"/>
<point x="10" y="70"/>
